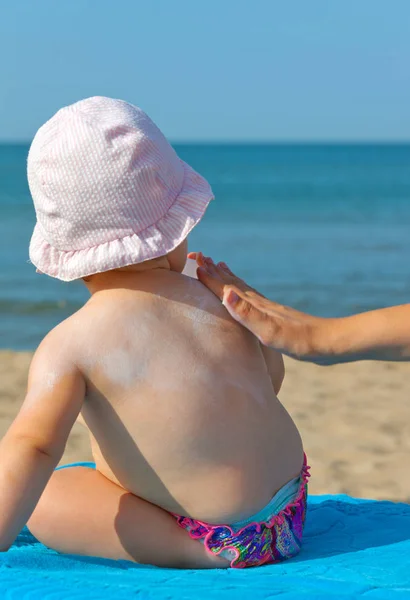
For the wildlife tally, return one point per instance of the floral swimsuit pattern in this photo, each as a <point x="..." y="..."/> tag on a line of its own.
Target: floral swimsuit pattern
<point x="270" y="541"/>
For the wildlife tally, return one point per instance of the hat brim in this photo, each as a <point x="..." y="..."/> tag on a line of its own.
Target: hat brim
<point x="156" y="240"/>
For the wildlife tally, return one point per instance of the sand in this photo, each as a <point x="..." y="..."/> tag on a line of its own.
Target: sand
<point x="354" y="420"/>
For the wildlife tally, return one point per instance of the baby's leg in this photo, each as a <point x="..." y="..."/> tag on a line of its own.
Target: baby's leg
<point x="82" y="512"/>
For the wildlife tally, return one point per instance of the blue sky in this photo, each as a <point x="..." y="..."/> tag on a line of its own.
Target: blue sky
<point x="230" y="70"/>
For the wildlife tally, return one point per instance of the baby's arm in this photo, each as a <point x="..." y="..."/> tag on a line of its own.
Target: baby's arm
<point x="275" y="366"/>
<point x="35" y="442"/>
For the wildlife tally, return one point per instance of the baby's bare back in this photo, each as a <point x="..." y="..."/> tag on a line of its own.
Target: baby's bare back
<point x="180" y="405"/>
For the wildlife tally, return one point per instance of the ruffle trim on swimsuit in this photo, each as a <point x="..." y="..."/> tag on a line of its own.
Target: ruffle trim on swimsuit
<point x="273" y="540"/>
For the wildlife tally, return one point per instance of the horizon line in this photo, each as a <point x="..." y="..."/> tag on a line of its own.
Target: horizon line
<point x="256" y="142"/>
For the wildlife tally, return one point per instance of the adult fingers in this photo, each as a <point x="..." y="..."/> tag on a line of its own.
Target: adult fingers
<point x="224" y="267"/>
<point x="198" y="256"/>
<point x="225" y="274"/>
<point x="221" y="269"/>
<point x="240" y="306"/>
<point x="248" y="312"/>
<point x="244" y="304"/>
<point x="211" y="281"/>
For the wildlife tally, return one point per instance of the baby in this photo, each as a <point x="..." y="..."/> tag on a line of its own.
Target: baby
<point x="197" y="463"/>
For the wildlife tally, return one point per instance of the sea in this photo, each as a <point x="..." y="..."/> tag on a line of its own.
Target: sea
<point x="322" y="228"/>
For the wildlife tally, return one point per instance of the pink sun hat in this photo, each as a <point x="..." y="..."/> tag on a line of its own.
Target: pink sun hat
<point x="108" y="190"/>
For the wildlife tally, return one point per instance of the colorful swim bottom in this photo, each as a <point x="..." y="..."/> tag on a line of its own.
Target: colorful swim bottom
<point x="272" y="535"/>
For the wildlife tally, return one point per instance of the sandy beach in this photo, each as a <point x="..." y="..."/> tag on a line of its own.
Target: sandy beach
<point x="354" y="420"/>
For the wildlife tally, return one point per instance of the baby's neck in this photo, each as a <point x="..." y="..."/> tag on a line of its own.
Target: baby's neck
<point x="127" y="277"/>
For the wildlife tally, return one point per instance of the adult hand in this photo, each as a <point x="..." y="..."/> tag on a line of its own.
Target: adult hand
<point x="293" y="333"/>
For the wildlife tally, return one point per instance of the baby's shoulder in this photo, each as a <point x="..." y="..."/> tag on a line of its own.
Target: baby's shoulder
<point x="61" y="340"/>
<point x="56" y="353"/>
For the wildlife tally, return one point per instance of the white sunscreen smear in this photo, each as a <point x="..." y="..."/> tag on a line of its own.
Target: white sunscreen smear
<point x="190" y="268"/>
<point x="51" y="378"/>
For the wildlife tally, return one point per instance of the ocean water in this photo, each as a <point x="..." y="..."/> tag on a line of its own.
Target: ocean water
<point x="323" y="228"/>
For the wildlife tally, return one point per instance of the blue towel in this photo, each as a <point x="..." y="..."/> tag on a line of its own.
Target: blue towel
<point x="352" y="549"/>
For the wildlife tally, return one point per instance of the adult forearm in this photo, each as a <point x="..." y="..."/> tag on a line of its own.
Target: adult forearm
<point x="24" y="472"/>
<point x="382" y="334"/>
